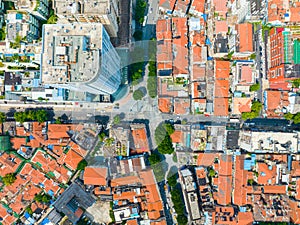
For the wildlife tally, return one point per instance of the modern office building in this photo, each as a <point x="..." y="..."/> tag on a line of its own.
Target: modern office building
<point x="79" y="57"/>
<point x="96" y="11"/>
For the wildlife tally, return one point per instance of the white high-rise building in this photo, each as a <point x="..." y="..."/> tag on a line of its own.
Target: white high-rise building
<point x="80" y="57"/>
<point x="89" y="11"/>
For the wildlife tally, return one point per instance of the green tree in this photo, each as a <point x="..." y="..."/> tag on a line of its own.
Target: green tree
<point x="109" y="141"/>
<point x="138" y="35"/>
<point x="38" y="198"/>
<point x="29" y="210"/>
<point x="52" y="19"/>
<point x="169" y="128"/>
<point x="101" y="136"/>
<point x="296" y="118"/>
<point x="154" y="158"/>
<point x="117" y="119"/>
<point x="296" y="83"/>
<point x="253" y="56"/>
<point x="42" y="197"/>
<point x="140" y="11"/>
<point x="2" y="64"/>
<point x="172" y="180"/>
<point x="211" y="172"/>
<point x="255" y="87"/>
<point x="250" y="182"/>
<point x="152" y="86"/>
<point x="46" y="198"/>
<point x="41" y="116"/>
<point x="2" y="117"/>
<point x="181" y="219"/>
<point x="138" y="95"/>
<point x="2" y="34"/>
<point x="82" y="164"/>
<point x="256" y="106"/>
<point x="160" y="133"/>
<point x="166" y="146"/>
<point x="58" y="120"/>
<point x="9" y="179"/>
<point x="41" y="99"/>
<point x="20" y="117"/>
<point x="289" y="116"/>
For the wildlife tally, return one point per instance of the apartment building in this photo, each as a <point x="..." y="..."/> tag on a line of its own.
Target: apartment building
<point x="97" y="11"/>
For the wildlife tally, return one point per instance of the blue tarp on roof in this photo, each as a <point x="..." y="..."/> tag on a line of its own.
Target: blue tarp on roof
<point x="31" y="137"/>
<point x="19" y="16"/>
<point x="45" y="221"/>
<point x="210" y="58"/>
<point x="50" y="147"/>
<point x="207" y="41"/>
<point x="204" y="17"/>
<point x="51" y="193"/>
<point x="247" y="164"/>
<point x="26" y="215"/>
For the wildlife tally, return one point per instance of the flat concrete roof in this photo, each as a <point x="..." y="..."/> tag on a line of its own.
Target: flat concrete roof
<point x="71" y="52"/>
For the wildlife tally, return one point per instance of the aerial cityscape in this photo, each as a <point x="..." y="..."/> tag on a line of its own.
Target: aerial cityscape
<point x="149" y="112"/>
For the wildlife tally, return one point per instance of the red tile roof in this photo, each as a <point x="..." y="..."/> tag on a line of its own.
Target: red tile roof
<point x="165" y="105"/>
<point x="245" y="37"/>
<point x="221" y="107"/>
<point x="240" y="191"/>
<point x="95" y="176"/>
<point x="140" y="140"/>
<point x="181" y="106"/>
<point x="275" y="189"/>
<point x="72" y="159"/>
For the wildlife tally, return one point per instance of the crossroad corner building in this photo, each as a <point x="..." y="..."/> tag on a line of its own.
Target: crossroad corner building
<point x="80" y="57"/>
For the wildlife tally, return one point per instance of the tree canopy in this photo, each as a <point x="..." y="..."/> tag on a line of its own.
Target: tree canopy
<point x="255" y="111"/>
<point x="140" y="11"/>
<point x="138" y="35"/>
<point x="138" y="95"/>
<point x="117" y="119"/>
<point x="166" y="146"/>
<point x="9" y="179"/>
<point x="154" y="158"/>
<point x="82" y="164"/>
<point x="172" y="180"/>
<point x="33" y="115"/>
<point x="42" y="197"/>
<point x="2" y="117"/>
<point x="255" y="87"/>
<point x="295" y="118"/>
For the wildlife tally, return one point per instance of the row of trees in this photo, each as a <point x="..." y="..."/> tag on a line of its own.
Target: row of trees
<point x="163" y="139"/>
<point x="152" y="80"/>
<point x="40" y="115"/>
<point x="42" y="198"/>
<point x="140" y="11"/>
<point x="255" y="111"/>
<point x="158" y="166"/>
<point x="176" y="196"/>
